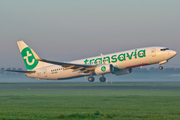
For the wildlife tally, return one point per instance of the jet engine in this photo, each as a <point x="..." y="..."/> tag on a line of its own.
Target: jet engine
<point x="103" y="69"/>
<point x="122" y="71"/>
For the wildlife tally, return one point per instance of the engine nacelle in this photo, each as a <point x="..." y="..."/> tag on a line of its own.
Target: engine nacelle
<point x="103" y="69"/>
<point x="123" y="71"/>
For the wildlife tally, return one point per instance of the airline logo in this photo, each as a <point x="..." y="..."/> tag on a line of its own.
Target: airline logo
<point x="103" y="68"/>
<point x="29" y="58"/>
<point x="114" y="58"/>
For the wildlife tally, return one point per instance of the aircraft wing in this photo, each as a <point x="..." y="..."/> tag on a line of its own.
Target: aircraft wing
<point x="82" y="67"/>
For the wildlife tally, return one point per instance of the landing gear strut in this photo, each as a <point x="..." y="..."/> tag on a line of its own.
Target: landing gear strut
<point x="160" y="67"/>
<point x="102" y="79"/>
<point x="91" y="79"/>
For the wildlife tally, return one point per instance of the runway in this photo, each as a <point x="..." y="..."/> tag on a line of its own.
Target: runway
<point x="92" y="87"/>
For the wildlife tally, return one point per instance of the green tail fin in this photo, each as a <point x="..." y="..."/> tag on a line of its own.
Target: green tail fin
<point x="27" y="55"/>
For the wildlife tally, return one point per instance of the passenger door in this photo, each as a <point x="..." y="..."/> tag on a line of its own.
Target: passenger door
<point x="45" y="72"/>
<point x="153" y="52"/>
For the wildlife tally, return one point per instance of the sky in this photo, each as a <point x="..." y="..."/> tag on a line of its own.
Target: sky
<point x="65" y="30"/>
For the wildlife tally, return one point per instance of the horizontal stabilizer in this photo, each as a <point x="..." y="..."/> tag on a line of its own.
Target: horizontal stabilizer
<point x="20" y="71"/>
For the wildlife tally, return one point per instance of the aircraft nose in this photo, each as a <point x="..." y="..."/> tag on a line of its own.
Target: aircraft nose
<point x="172" y="53"/>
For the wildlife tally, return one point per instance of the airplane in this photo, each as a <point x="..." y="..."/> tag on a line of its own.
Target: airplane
<point x="118" y="63"/>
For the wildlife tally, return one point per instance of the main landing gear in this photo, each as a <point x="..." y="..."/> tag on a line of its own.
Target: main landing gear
<point x="91" y="79"/>
<point x="101" y="79"/>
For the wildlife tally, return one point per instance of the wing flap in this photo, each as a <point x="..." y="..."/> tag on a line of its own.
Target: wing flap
<point x="69" y="67"/>
<point x="80" y="68"/>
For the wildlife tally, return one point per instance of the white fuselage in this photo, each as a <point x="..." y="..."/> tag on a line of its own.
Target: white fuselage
<point x="120" y="60"/>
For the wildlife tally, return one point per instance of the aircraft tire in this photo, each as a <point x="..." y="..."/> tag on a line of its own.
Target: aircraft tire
<point x="102" y="79"/>
<point x="91" y="79"/>
<point x="160" y="67"/>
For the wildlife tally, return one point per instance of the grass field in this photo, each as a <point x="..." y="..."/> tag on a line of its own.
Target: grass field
<point x="88" y="104"/>
<point x="94" y="84"/>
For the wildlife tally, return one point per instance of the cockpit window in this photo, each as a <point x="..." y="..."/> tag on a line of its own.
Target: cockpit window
<point x="164" y="49"/>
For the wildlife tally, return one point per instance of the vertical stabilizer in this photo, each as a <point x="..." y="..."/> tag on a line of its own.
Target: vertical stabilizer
<point x="29" y="58"/>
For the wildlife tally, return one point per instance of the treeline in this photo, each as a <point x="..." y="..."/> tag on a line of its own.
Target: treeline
<point x="157" y="70"/>
<point x="135" y="70"/>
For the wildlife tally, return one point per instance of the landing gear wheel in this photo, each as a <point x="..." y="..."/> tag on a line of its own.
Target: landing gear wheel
<point x="102" y="79"/>
<point x="91" y="79"/>
<point x="160" y="67"/>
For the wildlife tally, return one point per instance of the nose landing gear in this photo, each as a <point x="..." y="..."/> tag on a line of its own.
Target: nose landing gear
<point x="160" y="67"/>
<point x="162" y="62"/>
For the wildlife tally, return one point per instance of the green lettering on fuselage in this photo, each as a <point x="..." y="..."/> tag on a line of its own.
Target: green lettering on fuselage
<point x="91" y="61"/>
<point x="142" y="53"/>
<point x="122" y="57"/>
<point x="114" y="58"/>
<point x="130" y="56"/>
<point x="135" y="54"/>
<point x="104" y="59"/>
<point x="98" y="61"/>
<point x="86" y="61"/>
